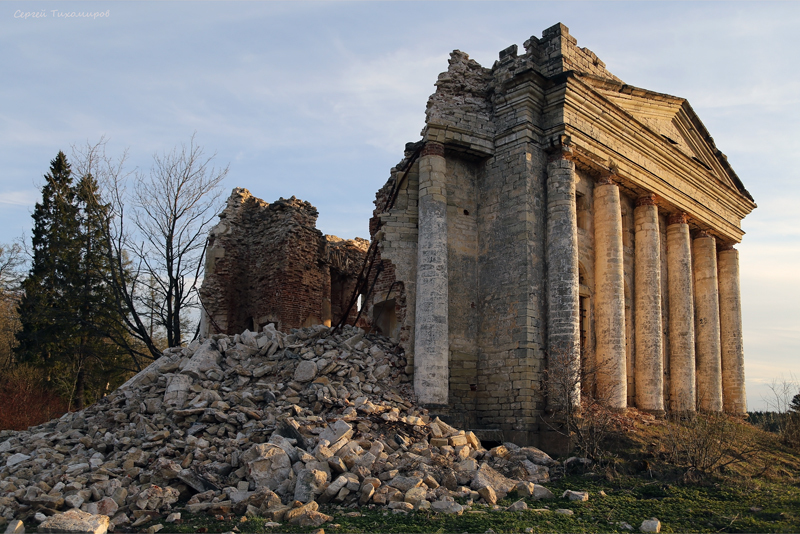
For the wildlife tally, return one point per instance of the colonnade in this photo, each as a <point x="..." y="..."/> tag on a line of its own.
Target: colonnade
<point x="706" y="358"/>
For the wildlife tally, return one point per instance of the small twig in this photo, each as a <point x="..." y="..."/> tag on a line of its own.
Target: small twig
<point x="729" y="524"/>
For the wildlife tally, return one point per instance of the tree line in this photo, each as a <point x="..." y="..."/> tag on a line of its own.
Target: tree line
<point x="113" y="266"/>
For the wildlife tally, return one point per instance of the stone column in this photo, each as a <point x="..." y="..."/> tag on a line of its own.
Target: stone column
<point x="649" y="363"/>
<point x="609" y="308"/>
<point x="730" y="322"/>
<point x="563" y="300"/>
<point x="431" y="344"/>
<point x="706" y="323"/>
<point x="681" y="315"/>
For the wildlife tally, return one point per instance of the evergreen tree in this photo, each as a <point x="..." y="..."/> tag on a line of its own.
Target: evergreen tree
<point x="68" y="306"/>
<point x="46" y="310"/>
<point x="794" y="405"/>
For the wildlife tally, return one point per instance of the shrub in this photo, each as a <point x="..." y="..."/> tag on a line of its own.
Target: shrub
<point x="25" y="399"/>
<point x="707" y="442"/>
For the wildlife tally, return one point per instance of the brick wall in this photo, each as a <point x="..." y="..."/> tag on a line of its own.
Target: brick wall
<point x="268" y="263"/>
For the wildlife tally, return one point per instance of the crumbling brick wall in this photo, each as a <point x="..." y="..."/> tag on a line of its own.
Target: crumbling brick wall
<point x="268" y="263"/>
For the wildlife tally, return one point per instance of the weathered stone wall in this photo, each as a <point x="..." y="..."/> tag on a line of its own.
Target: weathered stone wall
<point x="543" y="225"/>
<point x="268" y="263"/>
<point x="539" y="264"/>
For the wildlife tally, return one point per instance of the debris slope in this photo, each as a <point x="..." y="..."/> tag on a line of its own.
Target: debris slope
<point x="270" y="424"/>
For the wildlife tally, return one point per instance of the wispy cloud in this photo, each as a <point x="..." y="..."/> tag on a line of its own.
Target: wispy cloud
<point x="26" y="197"/>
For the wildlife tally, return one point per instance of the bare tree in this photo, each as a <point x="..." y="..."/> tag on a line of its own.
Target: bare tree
<point x="155" y="234"/>
<point x="175" y="204"/>
<point x="580" y="413"/>
<point x="783" y="396"/>
<point x="11" y="262"/>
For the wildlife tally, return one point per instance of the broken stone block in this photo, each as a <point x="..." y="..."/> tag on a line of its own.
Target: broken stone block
<point x="447" y="507"/>
<point x="310" y="484"/>
<point x="458" y="440"/>
<point x="205" y="359"/>
<point x="75" y="522"/>
<point x="488" y="494"/>
<point x="17" y="458"/>
<point x="336" y="431"/>
<point x="439" y="442"/>
<point x="415" y="495"/>
<point x="404" y="483"/>
<point x="306" y="371"/>
<point x="518" y="506"/>
<point x="534" y="473"/>
<point x="333" y="489"/>
<point x="268" y="465"/>
<point x="298" y="511"/>
<point x="486" y="476"/>
<point x="650" y="525"/>
<point x="575" y="495"/>
<point x="107" y="506"/>
<point x="177" y="391"/>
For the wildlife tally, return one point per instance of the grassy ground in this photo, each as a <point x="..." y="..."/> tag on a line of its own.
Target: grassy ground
<point x="758" y="493"/>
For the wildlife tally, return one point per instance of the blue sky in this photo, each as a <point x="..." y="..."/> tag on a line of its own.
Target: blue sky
<point x="316" y="100"/>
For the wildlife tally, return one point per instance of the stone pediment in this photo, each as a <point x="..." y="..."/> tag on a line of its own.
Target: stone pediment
<point x="673" y="119"/>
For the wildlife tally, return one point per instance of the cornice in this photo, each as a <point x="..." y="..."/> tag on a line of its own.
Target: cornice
<point x="650" y="158"/>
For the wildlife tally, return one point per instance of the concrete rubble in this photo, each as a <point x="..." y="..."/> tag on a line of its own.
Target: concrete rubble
<point x="291" y="427"/>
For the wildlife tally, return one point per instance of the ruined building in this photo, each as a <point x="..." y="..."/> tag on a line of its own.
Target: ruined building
<point x="552" y="222"/>
<point x="268" y="264"/>
<point x="555" y="214"/>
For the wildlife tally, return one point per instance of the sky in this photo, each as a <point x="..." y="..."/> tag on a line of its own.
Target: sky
<point x="317" y="99"/>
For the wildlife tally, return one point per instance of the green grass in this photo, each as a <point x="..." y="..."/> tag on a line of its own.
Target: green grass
<point x="715" y="505"/>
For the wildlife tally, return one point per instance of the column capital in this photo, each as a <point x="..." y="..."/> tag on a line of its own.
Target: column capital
<point x="560" y="149"/>
<point x="701" y="234"/>
<point x="432" y="148"/>
<point x="646" y="200"/>
<point x="678" y="218"/>
<point x="726" y="246"/>
<point x="606" y="179"/>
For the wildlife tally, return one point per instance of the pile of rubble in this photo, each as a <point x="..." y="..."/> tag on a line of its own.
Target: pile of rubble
<point x="267" y="424"/>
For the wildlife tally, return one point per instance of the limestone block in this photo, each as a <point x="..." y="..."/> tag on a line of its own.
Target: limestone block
<point x="177" y="390"/>
<point x="650" y="525"/>
<point x="306" y="371"/>
<point x="310" y="484"/>
<point x="338" y="430"/>
<point x="575" y="495"/>
<point x="75" y="522"/>
<point x="268" y="465"/>
<point x="206" y="358"/>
